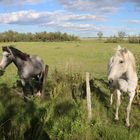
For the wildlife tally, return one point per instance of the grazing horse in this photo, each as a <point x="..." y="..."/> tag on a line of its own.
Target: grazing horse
<point x="28" y="67"/>
<point x="122" y="77"/>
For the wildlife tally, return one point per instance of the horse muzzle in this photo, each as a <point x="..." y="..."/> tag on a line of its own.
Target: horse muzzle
<point x="111" y="83"/>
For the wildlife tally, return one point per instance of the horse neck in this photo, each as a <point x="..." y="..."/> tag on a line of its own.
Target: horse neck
<point x="18" y="62"/>
<point x="131" y="74"/>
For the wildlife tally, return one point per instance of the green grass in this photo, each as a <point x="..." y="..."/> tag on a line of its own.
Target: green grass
<point x="61" y="115"/>
<point x="80" y="56"/>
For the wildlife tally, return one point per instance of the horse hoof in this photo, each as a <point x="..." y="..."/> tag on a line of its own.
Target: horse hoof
<point x="38" y="94"/>
<point x="127" y="125"/>
<point x="116" y="118"/>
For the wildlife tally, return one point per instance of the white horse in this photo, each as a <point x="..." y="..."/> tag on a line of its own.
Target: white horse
<point x="122" y="77"/>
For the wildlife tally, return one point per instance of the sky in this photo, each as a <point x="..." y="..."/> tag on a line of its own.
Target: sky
<point x="83" y="18"/>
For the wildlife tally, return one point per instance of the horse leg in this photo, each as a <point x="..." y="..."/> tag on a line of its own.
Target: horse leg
<point x="111" y="98"/>
<point x="39" y="81"/>
<point x="42" y="81"/>
<point x="118" y="104"/>
<point x="23" y="82"/>
<point x="31" y="87"/>
<point x="131" y="97"/>
<point x="23" y="86"/>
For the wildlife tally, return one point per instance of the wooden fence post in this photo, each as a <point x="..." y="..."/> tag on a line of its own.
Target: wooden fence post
<point x="88" y="97"/>
<point x="45" y="78"/>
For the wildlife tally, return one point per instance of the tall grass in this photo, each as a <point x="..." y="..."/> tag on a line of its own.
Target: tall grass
<point x="62" y="114"/>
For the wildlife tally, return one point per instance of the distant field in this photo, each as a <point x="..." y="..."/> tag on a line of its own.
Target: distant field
<point x="79" y="56"/>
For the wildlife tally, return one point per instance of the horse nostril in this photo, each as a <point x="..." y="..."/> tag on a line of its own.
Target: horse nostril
<point x="110" y="81"/>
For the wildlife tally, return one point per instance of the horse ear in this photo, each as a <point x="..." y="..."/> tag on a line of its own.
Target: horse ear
<point x="119" y="47"/>
<point x="125" y="50"/>
<point x="3" y="48"/>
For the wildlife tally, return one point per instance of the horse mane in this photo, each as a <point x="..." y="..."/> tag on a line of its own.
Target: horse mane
<point x="16" y="52"/>
<point x="132" y="59"/>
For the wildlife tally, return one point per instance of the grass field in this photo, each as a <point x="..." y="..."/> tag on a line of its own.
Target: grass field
<point x="80" y="56"/>
<point x="60" y="116"/>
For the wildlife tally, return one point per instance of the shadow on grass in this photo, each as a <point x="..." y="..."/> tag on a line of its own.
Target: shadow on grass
<point x="36" y="131"/>
<point x="63" y="108"/>
<point x="15" y="117"/>
<point x="97" y="90"/>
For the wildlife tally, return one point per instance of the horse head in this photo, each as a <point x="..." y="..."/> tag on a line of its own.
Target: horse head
<point x="7" y="57"/>
<point x="118" y="66"/>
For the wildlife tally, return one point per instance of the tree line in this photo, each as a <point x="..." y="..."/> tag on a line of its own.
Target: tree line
<point x="13" y="36"/>
<point x="120" y="37"/>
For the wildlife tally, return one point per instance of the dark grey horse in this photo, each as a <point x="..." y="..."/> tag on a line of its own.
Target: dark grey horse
<point x="28" y="66"/>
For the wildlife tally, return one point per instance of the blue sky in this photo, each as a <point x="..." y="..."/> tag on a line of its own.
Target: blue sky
<point x="79" y="17"/>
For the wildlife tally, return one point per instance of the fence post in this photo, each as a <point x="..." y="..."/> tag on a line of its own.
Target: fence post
<point x="88" y="93"/>
<point x="45" y="78"/>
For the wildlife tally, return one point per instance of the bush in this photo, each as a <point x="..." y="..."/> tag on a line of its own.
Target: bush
<point x="134" y="39"/>
<point x="12" y="36"/>
<point x="112" y="39"/>
<point x="120" y="38"/>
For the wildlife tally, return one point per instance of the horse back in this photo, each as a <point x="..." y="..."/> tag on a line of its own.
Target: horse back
<point x="37" y="62"/>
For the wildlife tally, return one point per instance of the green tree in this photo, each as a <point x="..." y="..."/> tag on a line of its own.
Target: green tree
<point x="121" y="35"/>
<point x="12" y="36"/>
<point x="100" y="35"/>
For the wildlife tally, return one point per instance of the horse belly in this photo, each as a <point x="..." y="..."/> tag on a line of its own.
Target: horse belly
<point x="30" y="72"/>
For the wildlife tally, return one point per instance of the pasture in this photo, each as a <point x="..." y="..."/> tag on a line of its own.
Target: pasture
<point x="60" y="115"/>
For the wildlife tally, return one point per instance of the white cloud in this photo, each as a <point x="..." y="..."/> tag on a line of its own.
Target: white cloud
<point x="63" y="21"/>
<point x="19" y="2"/>
<point x="134" y="21"/>
<point x="33" y="17"/>
<point x="22" y="17"/>
<point x="75" y="27"/>
<point x="59" y="20"/>
<point x="97" y="6"/>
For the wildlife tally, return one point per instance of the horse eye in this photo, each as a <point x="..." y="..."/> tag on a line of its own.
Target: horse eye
<point x="121" y="61"/>
<point x="7" y="55"/>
